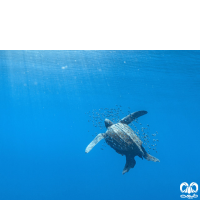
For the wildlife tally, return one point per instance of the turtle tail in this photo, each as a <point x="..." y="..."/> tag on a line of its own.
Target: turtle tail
<point x="148" y="156"/>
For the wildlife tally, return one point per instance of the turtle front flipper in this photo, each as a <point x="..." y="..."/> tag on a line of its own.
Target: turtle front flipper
<point x="97" y="139"/>
<point x="129" y="118"/>
<point x="130" y="163"/>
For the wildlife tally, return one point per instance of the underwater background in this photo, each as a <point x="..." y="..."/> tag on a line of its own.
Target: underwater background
<point x="49" y="101"/>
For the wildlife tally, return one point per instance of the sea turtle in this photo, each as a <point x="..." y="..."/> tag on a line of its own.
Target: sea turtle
<point x="123" y="140"/>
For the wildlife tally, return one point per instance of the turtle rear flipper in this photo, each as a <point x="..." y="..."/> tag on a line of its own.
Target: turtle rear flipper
<point x="148" y="156"/>
<point x="151" y="158"/>
<point x="97" y="139"/>
<point x="130" y="163"/>
<point x="129" y="118"/>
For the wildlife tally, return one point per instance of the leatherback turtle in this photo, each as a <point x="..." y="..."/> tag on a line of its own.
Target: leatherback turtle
<point x="123" y="140"/>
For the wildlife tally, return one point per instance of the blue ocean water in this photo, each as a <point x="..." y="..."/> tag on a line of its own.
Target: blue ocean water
<point x="44" y="128"/>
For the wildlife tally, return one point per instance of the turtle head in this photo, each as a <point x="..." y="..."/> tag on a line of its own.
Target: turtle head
<point x="108" y="123"/>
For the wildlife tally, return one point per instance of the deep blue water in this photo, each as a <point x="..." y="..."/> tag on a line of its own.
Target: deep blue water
<point x="44" y="96"/>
